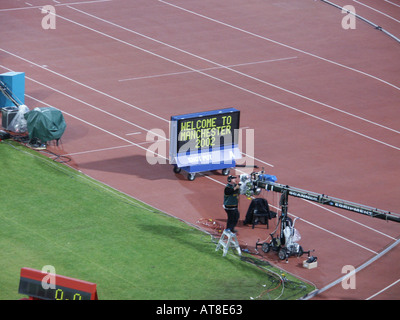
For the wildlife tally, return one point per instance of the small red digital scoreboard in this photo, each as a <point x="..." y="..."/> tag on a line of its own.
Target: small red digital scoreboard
<point x="64" y="288"/>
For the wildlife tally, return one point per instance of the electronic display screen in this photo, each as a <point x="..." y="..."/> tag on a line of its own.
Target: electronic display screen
<point x="61" y="288"/>
<point x="207" y="130"/>
<point x="34" y="288"/>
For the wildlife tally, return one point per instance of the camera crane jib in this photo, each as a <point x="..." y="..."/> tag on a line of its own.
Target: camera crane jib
<point x="325" y="200"/>
<point x="285" y="243"/>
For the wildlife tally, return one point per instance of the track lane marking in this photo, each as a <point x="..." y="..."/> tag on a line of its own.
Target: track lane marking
<point x="223" y="81"/>
<point x="233" y="70"/>
<point x="187" y="67"/>
<point x="208" y="177"/>
<point x="56" y="4"/>
<point x="282" y="44"/>
<point x="206" y="69"/>
<point x="383" y="290"/>
<point x="376" y="10"/>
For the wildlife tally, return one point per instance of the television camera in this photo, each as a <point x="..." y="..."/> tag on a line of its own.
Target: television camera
<point x="286" y="242"/>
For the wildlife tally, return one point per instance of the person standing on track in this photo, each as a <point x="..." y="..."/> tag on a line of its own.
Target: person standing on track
<point x="231" y="202"/>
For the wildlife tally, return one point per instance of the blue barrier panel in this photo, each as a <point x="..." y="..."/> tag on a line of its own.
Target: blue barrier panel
<point x="15" y="83"/>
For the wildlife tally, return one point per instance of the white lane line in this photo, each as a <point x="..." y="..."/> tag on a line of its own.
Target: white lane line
<point x="328" y="231"/>
<point x="83" y="85"/>
<point x="30" y="6"/>
<point x="395" y="4"/>
<point x="206" y="69"/>
<point x="89" y="105"/>
<point x="97" y="127"/>
<point x="358" y="269"/>
<point x="95" y="150"/>
<point x="235" y="71"/>
<point x="337" y="235"/>
<point x="208" y="177"/>
<point x="349" y="219"/>
<point x="180" y="64"/>
<point x="133" y="133"/>
<point x="212" y="77"/>
<point x="282" y="44"/>
<point x="383" y="290"/>
<point x="207" y="75"/>
<point x="121" y="138"/>
<point x="113" y="115"/>
<point x="373" y="9"/>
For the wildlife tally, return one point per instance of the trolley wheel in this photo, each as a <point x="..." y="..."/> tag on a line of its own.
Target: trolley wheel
<point x="177" y="169"/>
<point x="191" y="176"/>
<point x="265" y="247"/>
<point x="225" y="171"/>
<point x="282" y="253"/>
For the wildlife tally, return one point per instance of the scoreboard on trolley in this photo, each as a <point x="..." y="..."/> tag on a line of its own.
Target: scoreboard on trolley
<point x="64" y="288"/>
<point x="205" y="141"/>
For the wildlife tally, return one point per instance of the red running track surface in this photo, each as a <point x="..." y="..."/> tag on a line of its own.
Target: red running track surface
<point x="323" y="103"/>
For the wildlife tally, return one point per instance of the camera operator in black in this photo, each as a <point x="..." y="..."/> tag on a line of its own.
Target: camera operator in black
<point x="231" y="202"/>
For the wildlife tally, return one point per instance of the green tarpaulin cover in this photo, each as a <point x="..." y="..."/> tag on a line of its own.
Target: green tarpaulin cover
<point x="45" y="124"/>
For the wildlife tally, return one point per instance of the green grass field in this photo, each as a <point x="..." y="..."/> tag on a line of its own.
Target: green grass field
<point x="53" y="215"/>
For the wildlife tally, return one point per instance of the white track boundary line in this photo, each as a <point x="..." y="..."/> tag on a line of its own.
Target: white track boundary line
<point x="113" y="115"/>
<point x="349" y="219"/>
<point x="384" y="289"/>
<point x="392" y="3"/>
<point x="97" y="150"/>
<point x="140" y="146"/>
<point x="114" y="134"/>
<point x="208" y="177"/>
<point x="207" y="69"/>
<point x="363" y="266"/>
<point x="223" y="81"/>
<point x="376" y="10"/>
<point x="55" y="4"/>
<point x="83" y="85"/>
<point x="180" y="64"/>
<point x="221" y="183"/>
<point x="96" y="108"/>
<point x="117" y="136"/>
<point x="95" y="126"/>
<point x="226" y="82"/>
<point x="312" y="224"/>
<point x="83" y="102"/>
<point x="232" y="70"/>
<point x="335" y="234"/>
<point x="282" y="44"/>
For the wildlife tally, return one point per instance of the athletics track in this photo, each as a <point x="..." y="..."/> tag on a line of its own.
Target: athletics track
<point x="323" y="102"/>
